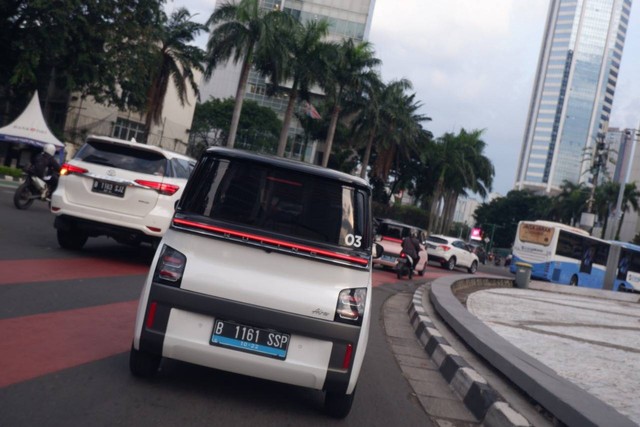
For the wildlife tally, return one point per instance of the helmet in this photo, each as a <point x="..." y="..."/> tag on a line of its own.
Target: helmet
<point x="50" y="149"/>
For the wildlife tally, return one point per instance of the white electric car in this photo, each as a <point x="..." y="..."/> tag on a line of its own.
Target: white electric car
<point x="265" y="271"/>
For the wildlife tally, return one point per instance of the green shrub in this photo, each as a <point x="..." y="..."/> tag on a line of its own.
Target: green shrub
<point x="6" y="170"/>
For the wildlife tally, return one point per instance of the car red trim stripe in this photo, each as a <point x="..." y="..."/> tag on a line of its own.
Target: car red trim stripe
<point x="262" y="239"/>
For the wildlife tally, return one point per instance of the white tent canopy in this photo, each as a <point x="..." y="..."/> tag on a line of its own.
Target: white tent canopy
<point x="30" y="127"/>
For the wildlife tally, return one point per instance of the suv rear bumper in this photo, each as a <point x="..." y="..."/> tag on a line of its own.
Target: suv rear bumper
<point x="95" y="229"/>
<point x="184" y="323"/>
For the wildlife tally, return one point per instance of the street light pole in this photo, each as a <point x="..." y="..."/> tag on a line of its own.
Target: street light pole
<point x="633" y="133"/>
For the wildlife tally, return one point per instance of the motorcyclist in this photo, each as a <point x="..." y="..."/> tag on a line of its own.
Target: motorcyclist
<point x="45" y="164"/>
<point x="411" y="247"/>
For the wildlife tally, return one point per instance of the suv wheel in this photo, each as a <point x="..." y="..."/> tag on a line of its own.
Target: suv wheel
<point x="338" y="405"/>
<point x="143" y="364"/>
<point x="450" y="265"/>
<point x="473" y="268"/>
<point x="70" y="239"/>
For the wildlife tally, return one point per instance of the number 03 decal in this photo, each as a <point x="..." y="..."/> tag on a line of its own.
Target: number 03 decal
<point x="351" y="240"/>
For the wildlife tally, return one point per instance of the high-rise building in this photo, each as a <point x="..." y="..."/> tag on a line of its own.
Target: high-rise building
<point x="573" y="91"/>
<point x="347" y="19"/>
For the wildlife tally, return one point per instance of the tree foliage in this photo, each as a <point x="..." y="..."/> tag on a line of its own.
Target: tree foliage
<point x="258" y="127"/>
<point x="96" y="47"/>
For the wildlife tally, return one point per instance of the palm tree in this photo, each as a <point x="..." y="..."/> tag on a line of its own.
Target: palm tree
<point x="175" y="60"/>
<point x="459" y="165"/>
<point x="400" y="130"/>
<point x="243" y="32"/>
<point x="305" y="67"/>
<point x="350" y="67"/>
<point x="570" y="203"/>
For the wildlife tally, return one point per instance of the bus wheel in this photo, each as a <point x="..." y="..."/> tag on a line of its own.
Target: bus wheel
<point x="573" y="281"/>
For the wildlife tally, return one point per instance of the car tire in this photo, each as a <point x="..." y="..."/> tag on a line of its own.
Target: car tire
<point x="338" y="405"/>
<point x="573" y="281"/>
<point x="143" y="364"/>
<point x="473" y="268"/>
<point x="451" y="263"/>
<point x="71" y="240"/>
<point x="622" y="288"/>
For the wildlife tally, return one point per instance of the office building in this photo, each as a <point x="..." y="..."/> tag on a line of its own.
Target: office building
<point x="573" y="91"/>
<point x="347" y="19"/>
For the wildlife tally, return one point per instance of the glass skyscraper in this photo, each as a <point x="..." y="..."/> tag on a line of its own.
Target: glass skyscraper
<point x="573" y="91"/>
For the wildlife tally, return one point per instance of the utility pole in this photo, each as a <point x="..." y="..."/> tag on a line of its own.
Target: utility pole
<point x="600" y="155"/>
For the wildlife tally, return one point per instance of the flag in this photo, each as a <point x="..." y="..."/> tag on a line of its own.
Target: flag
<point x="310" y="110"/>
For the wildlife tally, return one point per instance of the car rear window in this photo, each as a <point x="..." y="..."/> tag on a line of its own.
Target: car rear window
<point x="434" y="239"/>
<point x="123" y="157"/>
<point x="278" y="200"/>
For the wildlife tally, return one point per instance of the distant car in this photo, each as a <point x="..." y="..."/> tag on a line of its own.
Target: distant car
<point x="121" y="189"/>
<point x="478" y="249"/>
<point x="451" y="252"/>
<point x="389" y="233"/>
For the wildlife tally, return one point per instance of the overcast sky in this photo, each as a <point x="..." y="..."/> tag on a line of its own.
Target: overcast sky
<point x="472" y="65"/>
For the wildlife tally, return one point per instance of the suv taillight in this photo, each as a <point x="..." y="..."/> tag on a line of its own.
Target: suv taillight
<point x="351" y="304"/>
<point x="445" y="247"/>
<point x="170" y="267"/>
<point x="67" y="169"/>
<point x="165" y="189"/>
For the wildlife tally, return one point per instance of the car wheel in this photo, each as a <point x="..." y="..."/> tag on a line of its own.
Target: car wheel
<point x="72" y="240"/>
<point x="451" y="263"/>
<point x="622" y="288"/>
<point x="573" y="281"/>
<point x="143" y="364"/>
<point x="473" y="268"/>
<point x="338" y="405"/>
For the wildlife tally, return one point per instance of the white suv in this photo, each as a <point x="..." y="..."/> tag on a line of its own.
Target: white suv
<point x="265" y="271"/>
<point x="451" y="252"/>
<point x="117" y="188"/>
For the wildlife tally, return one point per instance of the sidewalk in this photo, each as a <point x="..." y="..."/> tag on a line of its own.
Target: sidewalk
<point x="557" y="344"/>
<point x="586" y="336"/>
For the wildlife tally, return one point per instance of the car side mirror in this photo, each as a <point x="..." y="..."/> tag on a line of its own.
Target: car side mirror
<point x="377" y="250"/>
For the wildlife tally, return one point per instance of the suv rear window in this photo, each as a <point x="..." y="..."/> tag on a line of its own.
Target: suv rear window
<point x="283" y="201"/>
<point x="434" y="239"/>
<point x="123" y="157"/>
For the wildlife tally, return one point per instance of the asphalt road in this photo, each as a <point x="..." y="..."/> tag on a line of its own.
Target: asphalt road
<point x="66" y="321"/>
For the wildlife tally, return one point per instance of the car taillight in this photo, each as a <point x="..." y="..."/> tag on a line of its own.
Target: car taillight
<point x="67" y="169"/>
<point x="170" y="267"/>
<point x="165" y="189"/>
<point x="445" y="247"/>
<point x="351" y="304"/>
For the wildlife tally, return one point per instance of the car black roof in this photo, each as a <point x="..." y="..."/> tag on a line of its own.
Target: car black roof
<point x="398" y="223"/>
<point x="289" y="164"/>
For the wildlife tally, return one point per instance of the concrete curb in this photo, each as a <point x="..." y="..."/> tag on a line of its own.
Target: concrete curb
<point x="11" y="178"/>
<point x="477" y="395"/>
<point x="567" y="402"/>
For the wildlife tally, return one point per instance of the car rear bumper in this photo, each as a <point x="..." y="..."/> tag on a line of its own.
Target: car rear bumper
<point x="94" y="229"/>
<point x="184" y="322"/>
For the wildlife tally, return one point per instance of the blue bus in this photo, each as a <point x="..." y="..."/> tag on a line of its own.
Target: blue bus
<point x="560" y="253"/>
<point x="623" y="267"/>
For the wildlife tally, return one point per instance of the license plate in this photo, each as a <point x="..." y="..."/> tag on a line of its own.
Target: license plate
<point x="108" y="188"/>
<point x="265" y="342"/>
<point x="389" y="258"/>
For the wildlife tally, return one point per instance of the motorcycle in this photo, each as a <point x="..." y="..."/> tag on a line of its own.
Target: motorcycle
<point x="33" y="188"/>
<point x="404" y="266"/>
